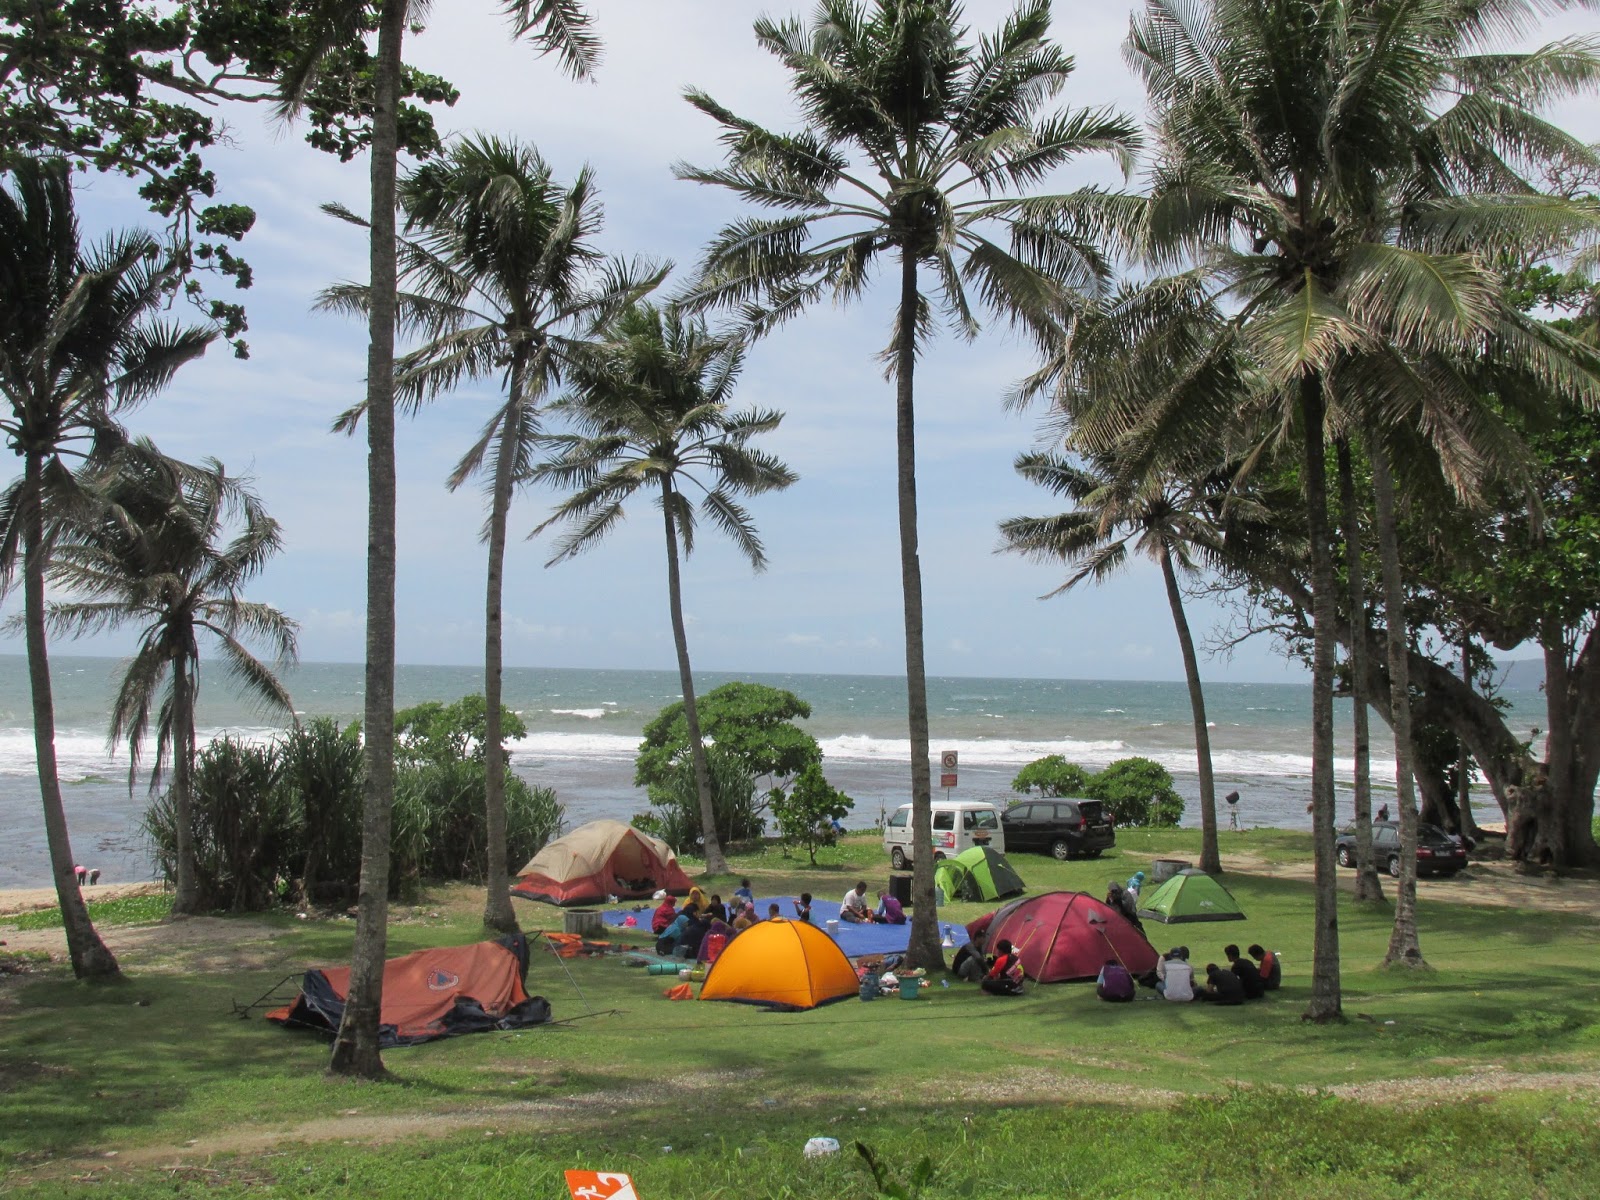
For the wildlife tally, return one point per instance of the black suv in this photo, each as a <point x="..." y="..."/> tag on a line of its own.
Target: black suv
<point x="1064" y="828"/>
<point x="1437" y="852"/>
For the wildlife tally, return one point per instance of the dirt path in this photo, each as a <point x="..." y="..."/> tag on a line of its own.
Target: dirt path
<point x="1493" y="883"/>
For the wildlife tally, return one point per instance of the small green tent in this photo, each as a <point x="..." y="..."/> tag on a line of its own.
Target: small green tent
<point x="1191" y="896"/>
<point x="977" y="874"/>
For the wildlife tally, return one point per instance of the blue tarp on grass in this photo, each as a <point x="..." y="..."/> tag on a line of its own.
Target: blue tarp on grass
<point x="854" y="940"/>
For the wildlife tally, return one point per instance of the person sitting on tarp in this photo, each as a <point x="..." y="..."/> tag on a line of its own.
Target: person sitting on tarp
<point x="693" y="934"/>
<point x="802" y="908"/>
<point x="667" y="943"/>
<point x="664" y="916"/>
<point x="1268" y="967"/>
<point x="1004" y="977"/>
<point x="1222" y="987"/>
<point x="1114" y="983"/>
<point x="1249" y="977"/>
<point x="889" y="910"/>
<point x="968" y="963"/>
<point x="853" y="907"/>
<point x="696" y="897"/>
<point x="1174" y="975"/>
<point x="746" y="917"/>
<point x="773" y="912"/>
<point x="717" y="910"/>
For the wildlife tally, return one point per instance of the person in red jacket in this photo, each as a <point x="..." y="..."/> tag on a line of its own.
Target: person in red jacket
<point x="1268" y="966"/>
<point x="664" y="916"/>
<point x="1004" y="977"/>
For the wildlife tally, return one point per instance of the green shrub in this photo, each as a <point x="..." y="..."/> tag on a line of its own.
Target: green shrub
<point x="807" y="813"/>
<point x="676" y="819"/>
<point x="248" y="829"/>
<point x="324" y="769"/>
<point x="1052" y="776"/>
<point x="440" y="829"/>
<point x="1137" y="791"/>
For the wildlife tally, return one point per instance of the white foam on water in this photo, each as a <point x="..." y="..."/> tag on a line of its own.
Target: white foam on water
<point x="593" y="714"/>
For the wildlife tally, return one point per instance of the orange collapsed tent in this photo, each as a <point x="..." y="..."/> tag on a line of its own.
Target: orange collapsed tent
<point x="430" y="994"/>
<point x="786" y="964"/>
<point x="601" y="859"/>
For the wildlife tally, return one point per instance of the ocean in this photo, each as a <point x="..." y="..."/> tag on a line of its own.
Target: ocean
<point x="584" y="729"/>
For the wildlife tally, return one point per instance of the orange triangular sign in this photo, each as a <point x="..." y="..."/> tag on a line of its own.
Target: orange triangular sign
<point x="600" y="1185"/>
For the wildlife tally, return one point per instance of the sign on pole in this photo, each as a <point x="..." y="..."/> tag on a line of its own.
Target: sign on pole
<point x="947" y="767"/>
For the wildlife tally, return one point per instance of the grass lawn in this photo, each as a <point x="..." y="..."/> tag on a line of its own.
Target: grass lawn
<point x="1479" y="1078"/>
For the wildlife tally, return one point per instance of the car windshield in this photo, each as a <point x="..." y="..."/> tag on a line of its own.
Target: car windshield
<point x="980" y="818"/>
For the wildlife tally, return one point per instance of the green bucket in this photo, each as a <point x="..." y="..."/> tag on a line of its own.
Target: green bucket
<point x="910" y="988"/>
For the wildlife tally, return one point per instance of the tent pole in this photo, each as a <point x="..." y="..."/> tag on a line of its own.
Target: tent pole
<point x="568" y="972"/>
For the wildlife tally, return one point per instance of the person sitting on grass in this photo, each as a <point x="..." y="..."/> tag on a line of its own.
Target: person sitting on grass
<point x="1114" y="983"/>
<point x="1268" y="967"/>
<point x="1222" y="987"/>
<point x="1249" y="977"/>
<point x="664" y="916"/>
<point x="802" y="908"/>
<point x="889" y="910"/>
<point x="1174" y="975"/>
<point x="968" y="963"/>
<point x="853" y="907"/>
<point x="1004" y="977"/>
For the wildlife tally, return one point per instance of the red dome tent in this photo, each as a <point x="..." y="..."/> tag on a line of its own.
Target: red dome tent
<point x="1065" y="935"/>
<point x="600" y="859"/>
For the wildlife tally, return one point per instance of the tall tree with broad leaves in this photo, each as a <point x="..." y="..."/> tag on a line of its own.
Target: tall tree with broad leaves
<point x="921" y="146"/>
<point x="80" y="341"/>
<point x="1170" y="522"/>
<point x="650" y="410"/>
<point x="502" y="279"/>
<point x="560" y="27"/>
<point x="153" y="557"/>
<point x="1336" y="170"/>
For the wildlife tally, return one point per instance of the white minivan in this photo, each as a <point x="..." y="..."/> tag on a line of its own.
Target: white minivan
<point x="957" y="825"/>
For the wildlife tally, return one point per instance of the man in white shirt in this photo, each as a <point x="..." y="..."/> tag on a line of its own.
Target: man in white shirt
<point x="853" y="907"/>
<point x="1174" y="975"/>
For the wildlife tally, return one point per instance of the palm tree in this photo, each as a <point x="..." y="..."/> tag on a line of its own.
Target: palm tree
<point x="154" y="559"/>
<point x="79" y="341"/>
<point x="948" y="136"/>
<point x="651" y="411"/>
<point x="560" y="27"/>
<point x="1336" y="169"/>
<point x="1368" y="885"/>
<point x="1169" y="522"/>
<point x="505" y="281"/>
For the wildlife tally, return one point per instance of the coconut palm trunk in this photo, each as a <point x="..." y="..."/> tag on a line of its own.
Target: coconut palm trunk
<point x="1210" y="859"/>
<point x="90" y="957"/>
<point x="1325" y="1002"/>
<point x="1404" y="947"/>
<point x="1368" y="885"/>
<point x="498" y="913"/>
<point x="716" y="862"/>
<point x="355" y="1050"/>
<point x="924" y="949"/>
<point x="186" y="901"/>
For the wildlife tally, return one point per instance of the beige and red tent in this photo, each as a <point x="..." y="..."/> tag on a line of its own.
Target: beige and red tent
<point x="601" y="859"/>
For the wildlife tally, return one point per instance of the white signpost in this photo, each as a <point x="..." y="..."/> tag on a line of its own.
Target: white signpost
<point x="947" y="769"/>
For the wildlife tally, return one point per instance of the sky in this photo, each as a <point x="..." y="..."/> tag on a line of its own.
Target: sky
<point x="830" y="599"/>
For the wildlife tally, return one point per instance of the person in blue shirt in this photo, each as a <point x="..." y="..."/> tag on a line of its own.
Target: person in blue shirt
<point x="742" y="895"/>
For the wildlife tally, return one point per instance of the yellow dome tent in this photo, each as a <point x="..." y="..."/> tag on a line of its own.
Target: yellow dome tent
<point x="786" y="964"/>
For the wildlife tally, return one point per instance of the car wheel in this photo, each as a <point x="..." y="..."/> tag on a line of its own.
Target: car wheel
<point x="1095" y="853"/>
<point x="1062" y="849"/>
<point x="1346" y="859"/>
<point x="1394" y="865"/>
<point x="897" y="859"/>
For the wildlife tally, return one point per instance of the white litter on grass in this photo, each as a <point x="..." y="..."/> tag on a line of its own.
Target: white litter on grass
<point x="821" y="1147"/>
